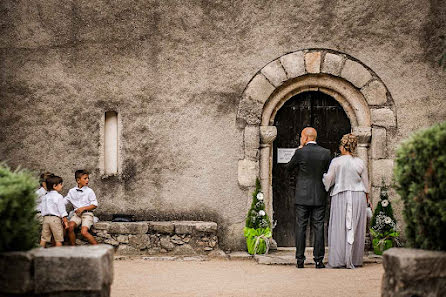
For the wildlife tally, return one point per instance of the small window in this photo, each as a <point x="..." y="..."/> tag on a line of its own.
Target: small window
<point x="111" y="143"/>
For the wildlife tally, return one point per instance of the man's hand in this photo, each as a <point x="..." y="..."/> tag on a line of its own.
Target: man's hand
<point x="79" y="211"/>
<point x="65" y="224"/>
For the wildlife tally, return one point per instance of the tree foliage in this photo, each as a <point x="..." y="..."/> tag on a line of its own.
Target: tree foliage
<point x="18" y="225"/>
<point x="420" y="173"/>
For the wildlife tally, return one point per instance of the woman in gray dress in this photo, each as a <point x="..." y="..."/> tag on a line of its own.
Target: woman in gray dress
<point x="348" y="180"/>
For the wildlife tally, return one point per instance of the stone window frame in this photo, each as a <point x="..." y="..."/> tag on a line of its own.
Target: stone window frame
<point x="366" y="100"/>
<point x="101" y="161"/>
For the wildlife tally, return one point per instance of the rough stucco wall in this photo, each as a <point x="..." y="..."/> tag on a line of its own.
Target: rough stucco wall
<point x="174" y="73"/>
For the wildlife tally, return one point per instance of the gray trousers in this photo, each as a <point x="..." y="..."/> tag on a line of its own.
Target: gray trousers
<point x="317" y="215"/>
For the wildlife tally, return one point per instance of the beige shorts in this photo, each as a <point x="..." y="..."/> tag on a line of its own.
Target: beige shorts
<point x="86" y="219"/>
<point x="52" y="226"/>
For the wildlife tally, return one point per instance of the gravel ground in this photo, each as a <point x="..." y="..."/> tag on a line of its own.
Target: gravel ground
<point x="138" y="277"/>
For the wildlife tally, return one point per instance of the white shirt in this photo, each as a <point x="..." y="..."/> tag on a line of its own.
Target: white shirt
<point x="346" y="173"/>
<point x="53" y="204"/>
<point x="81" y="197"/>
<point x="314" y="142"/>
<point x="40" y="193"/>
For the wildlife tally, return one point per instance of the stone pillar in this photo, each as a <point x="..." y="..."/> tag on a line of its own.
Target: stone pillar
<point x="267" y="136"/>
<point x="364" y="136"/>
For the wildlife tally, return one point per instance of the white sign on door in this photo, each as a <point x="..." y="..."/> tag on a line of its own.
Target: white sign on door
<point x="284" y="155"/>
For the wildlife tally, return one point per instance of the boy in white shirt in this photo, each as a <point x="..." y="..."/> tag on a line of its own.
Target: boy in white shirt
<point x="53" y="212"/>
<point x="84" y="201"/>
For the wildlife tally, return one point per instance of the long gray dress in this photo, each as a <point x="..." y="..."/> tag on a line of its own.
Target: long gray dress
<point x="348" y="180"/>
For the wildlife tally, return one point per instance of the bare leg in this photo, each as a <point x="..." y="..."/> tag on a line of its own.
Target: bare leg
<point x="71" y="235"/>
<point x="87" y="235"/>
<point x="42" y="243"/>
<point x="58" y="243"/>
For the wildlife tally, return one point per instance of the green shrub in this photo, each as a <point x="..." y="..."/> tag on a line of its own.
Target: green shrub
<point x="18" y="225"/>
<point x="420" y="174"/>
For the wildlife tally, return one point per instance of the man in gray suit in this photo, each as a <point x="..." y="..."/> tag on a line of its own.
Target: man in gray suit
<point x="311" y="161"/>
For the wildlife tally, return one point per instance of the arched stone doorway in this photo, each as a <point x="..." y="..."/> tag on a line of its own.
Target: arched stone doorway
<point x="315" y="109"/>
<point x="361" y="93"/>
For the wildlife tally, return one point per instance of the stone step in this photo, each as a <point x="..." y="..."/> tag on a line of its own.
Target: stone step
<point x="286" y="256"/>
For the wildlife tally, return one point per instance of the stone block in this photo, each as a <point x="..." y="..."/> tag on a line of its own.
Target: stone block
<point x="184" y="227"/>
<point x="127" y="250"/>
<point x="332" y="64"/>
<point x="110" y="241"/>
<point x="382" y="170"/>
<point x="383" y="117"/>
<point x="140" y="241"/>
<point x="249" y="112"/>
<point x="247" y="172"/>
<point x="413" y="272"/>
<point x="355" y="73"/>
<point x="77" y="268"/>
<point x="184" y="249"/>
<point x="259" y="89"/>
<point x="177" y="240"/>
<point x="375" y="93"/>
<point x="313" y="62"/>
<point x="123" y="238"/>
<point x="162" y="227"/>
<point x="16" y="272"/>
<point x="128" y="228"/>
<point x="293" y="64"/>
<point x="251" y="142"/>
<point x="208" y="227"/>
<point x="379" y="143"/>
<point x="166" y="243"/>
<point x="275" y="73"/>
<point x="267" y="134"/>
<point x="101" y="226"/>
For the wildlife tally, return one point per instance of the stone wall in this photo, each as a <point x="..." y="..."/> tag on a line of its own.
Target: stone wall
<point x="64" y="271"/>
<point x="153" y="238"/>
<point x="175" y="72"/>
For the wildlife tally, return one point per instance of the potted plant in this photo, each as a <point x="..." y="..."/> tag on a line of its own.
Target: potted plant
<point x="257" y="230"/>
<point x="383" y="225"/>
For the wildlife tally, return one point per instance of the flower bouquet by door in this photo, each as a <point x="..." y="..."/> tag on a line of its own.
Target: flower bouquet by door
<point x="383" y="226"/>
<point x="257" y="230"/>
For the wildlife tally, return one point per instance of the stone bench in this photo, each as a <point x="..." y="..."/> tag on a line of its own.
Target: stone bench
<point x="152" y="237"/>
<point x="51" y="272"/>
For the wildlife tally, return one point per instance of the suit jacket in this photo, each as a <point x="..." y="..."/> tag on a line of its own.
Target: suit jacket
<point x="311" y="161"/>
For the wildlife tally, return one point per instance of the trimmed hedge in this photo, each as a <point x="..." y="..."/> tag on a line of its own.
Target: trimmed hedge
<point x="18" y="225"/>
<point x="420" y="174"/>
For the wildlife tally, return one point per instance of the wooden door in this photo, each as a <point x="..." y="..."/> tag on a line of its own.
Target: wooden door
<point x="327" y="116"/>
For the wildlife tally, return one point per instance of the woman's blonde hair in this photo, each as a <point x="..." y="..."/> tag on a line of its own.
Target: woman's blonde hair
<point x="350" y="142"/>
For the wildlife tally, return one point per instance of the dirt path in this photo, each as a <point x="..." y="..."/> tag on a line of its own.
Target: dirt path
<point x="139" y="277"/>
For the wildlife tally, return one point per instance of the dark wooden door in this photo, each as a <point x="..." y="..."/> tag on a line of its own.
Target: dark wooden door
<point x="327" y="116"/>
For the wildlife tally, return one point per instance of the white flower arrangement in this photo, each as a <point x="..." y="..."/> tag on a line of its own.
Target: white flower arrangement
<point x="261" y="213"/>
<point x="385" y="203"/>
<point x="259" y="196"/>
<point x="382" y="221"/>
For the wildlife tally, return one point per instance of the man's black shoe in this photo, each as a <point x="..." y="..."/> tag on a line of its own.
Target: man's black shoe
<point x="300" y="265"/>
<point x="320" y="265"/>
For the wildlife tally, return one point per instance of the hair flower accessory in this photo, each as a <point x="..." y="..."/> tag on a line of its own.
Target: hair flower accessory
<point x="385" y="203"/>
<point x="387" y="220"/>
<point x="261" y="213"/>
<point x="260" y="196"/>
